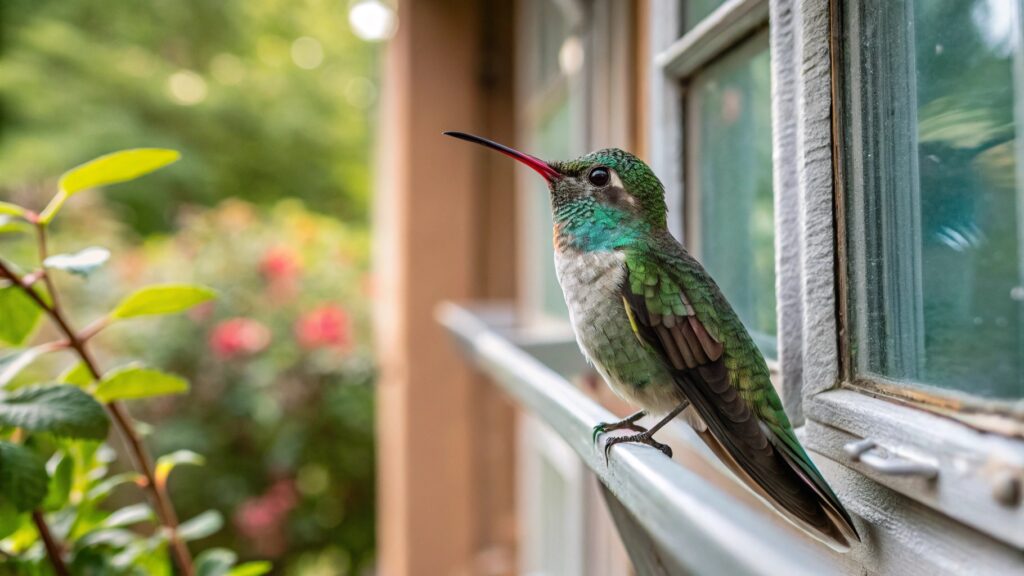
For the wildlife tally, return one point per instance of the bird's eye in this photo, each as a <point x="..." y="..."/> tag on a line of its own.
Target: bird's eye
<point x="599" y="176"/>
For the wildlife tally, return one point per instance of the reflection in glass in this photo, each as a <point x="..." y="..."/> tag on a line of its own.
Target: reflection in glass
<point x="729" y="176"/>
<point x="934" y="193"/>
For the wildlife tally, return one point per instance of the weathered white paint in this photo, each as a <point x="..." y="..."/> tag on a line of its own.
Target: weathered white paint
<point x="967" y="460"/>
<point x="666" y="141"/>
<point x="727" y="25"/>
<point x="785" y="185"/>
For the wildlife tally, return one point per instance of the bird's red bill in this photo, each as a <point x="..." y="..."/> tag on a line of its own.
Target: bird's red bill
<point x="542" y="167"/>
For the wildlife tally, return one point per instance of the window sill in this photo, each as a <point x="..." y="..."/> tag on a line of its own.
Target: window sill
<point x="680" y="511"/>
<point x="969" y="465"/>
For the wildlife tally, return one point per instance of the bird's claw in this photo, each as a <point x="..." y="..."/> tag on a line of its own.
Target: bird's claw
<point x="609" y="426"/>
<point x="628" y="423"/>
<point x="644" y="437"/>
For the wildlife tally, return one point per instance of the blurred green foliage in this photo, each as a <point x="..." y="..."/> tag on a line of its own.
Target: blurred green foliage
<point x="280" y="366"/>
<point x="54" y="467"/>
<point x="264" y="98"/>
<point x="282" y="401"/>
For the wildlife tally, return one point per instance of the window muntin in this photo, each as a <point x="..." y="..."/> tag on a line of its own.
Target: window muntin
<point x="696" y="10"/>
<point x="731" y="221"/>
<point x="933" y="194"/>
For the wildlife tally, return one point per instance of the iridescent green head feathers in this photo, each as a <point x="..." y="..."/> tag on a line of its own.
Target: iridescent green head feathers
<point x="630" y="185"/>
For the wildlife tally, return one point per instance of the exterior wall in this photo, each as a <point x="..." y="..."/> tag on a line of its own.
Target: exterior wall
<point x="444" y="231"/>
<point x="448" y="230"/>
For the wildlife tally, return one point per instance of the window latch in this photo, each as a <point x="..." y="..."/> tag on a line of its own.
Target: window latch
<point x="884" y="461"/>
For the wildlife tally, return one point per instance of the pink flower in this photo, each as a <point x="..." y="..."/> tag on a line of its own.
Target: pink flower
<point x="279" y="263"/>
<point x="238" y="337"/>
<point x="261" y="519"/>
<point x="325" y="326"/>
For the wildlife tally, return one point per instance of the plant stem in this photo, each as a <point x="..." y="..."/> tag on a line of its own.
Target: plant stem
<point x="138" y="454"/>
<point x="53" y="551"/>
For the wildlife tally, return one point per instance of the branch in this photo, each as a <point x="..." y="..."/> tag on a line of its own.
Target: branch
<point x="137" y="452"/>
<point x="53" y="549"/>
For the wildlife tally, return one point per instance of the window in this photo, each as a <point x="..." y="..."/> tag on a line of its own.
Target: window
<point x="730" y="213"/>
<point x="575" y="86"/>
<point x="696" y="10"/>
<point x="720" y="67"/>
<point x="553" y="113"/>
<point x="934" y="200"/>
<point x="907" y="261"/>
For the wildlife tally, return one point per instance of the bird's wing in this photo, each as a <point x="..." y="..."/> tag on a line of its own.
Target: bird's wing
<point x="677" y="310"/>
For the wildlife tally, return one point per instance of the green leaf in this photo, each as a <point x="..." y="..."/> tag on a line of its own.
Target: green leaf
<point x="20" y="313"/>
<point x="162" y="299"/>
<point x="77" y="375"/>
<point x="201" y="526"/>
<point x="9" y="518"/>
<point x="8" y="209"/>
<point x="257" y="568"/>
<point x="59" y="409"/>
<point x="81" y="263"/>
<point x="10" y="225"/>
<point x="168" y="462"/>
<point x="61" y="468"/>
<point x="110" y="169"/>
<point x="135" y="381"/>
<point x="102" y="489"/>
<point x="23" y="480"/>
<point x="115" y="537"/>
<point x="129" y="515"/>
<point x="16" y="361"/>
<point x="215" y="562"/>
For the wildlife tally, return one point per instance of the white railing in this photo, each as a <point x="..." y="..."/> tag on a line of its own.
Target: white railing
<point x="689" y="525"/>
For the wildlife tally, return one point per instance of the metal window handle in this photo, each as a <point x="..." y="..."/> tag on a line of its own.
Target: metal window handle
<point x="864" y="451"/>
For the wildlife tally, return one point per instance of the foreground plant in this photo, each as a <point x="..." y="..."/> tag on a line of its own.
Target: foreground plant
<point x="53" y="463"/>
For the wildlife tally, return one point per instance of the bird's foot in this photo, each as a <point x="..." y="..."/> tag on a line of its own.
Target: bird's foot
<point x="646" y="437"/>
<point x="628" y="423"/>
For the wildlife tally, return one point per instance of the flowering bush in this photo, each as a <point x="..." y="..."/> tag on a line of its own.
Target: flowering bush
<point x="281" y="402"/>
<point x="54" y="467"/>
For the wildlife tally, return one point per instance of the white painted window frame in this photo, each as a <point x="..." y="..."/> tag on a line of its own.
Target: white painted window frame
<point x="971" y="466"/>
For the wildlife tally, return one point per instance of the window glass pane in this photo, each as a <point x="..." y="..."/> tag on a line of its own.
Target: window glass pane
<point x="696" y="10"/>
<point x="933" y="191"/>
<point x="729" y="177"/>
<point x="553" y="141"/>
<point x="553" y="29"/>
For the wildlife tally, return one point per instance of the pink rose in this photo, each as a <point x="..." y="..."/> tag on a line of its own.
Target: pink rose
<point x="238" y="337"/>
<point x="325" y="326"/>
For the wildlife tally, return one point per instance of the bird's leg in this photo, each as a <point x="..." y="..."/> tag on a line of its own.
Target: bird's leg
<point x="627" y="423"/>
<point x="647" y="436"/>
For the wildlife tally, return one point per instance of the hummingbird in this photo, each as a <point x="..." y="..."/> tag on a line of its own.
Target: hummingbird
<point x="657" y="328"/>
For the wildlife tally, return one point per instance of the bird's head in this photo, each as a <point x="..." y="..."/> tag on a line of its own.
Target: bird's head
<point x="604" y="200"/>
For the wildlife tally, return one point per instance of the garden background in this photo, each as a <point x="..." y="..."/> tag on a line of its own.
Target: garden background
<point x="271" y="104"/>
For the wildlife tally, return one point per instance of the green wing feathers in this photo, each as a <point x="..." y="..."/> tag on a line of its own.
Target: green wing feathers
<point x="677" y="310"/>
